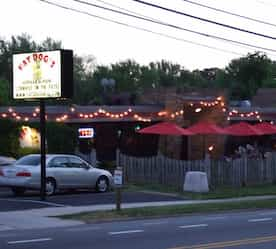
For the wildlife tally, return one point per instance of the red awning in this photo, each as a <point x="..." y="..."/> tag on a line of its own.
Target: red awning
<point x="165" y="128"/>
<point x="242" y="129"/>
<point x="266" y="128"/>
<point x="205" y="128"/>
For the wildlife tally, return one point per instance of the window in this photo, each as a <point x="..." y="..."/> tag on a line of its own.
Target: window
<point x="31" y="160"/>
<point x="77" y="163"/>
<point x="59" y="162"/>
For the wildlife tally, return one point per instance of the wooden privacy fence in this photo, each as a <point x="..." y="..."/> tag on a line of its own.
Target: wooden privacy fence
<point x="167" y="171"/>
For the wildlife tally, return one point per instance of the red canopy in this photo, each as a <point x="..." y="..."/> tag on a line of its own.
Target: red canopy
<point x="266" y="128"/>
<point x="242" y="129"/>
<point x="205" y="128"/>
<point x="165" y="128"/>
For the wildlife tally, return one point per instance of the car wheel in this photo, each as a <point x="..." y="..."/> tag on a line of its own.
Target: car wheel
<point x="17" y="191"/>
<point x="102" y="184"/>
<point x="50" y="186"/>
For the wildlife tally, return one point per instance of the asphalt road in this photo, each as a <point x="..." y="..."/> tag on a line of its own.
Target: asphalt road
<point x="246" y="230"/>
<point x="8" y="202"/>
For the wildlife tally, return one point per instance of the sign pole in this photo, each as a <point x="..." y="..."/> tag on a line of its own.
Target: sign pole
<point x="118" y="181"/>
<point x="42" y="151"/>
<point x="38" y="76"/>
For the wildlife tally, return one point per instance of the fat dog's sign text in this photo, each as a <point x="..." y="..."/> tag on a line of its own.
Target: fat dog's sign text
<point x="35" y="57"/>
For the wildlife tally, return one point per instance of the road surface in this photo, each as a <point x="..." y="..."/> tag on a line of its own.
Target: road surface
<point x="238" y="230"/>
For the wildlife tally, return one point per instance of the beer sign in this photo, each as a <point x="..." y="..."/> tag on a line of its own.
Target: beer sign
<point x="86" y="132"/>
<point x="43" y="75"/>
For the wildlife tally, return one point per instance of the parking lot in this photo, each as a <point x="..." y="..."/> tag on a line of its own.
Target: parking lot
<point x="31" y="200"/>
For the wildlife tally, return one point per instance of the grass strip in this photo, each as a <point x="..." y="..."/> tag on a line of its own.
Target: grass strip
<point x="218" y="193"/>
<point x="169" y="210"/>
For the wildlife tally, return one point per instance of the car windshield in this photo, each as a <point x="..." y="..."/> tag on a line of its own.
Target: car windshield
<point x="33" y="160"/>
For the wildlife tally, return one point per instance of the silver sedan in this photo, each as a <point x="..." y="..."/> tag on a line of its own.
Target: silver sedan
<point x="62" y="172"/>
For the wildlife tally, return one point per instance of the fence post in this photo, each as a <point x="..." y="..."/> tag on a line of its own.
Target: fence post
<point x="245" y="169"/>
<point x="207" y="166"/>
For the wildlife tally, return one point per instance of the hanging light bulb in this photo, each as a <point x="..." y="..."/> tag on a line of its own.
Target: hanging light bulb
<point x="198" y="109"/>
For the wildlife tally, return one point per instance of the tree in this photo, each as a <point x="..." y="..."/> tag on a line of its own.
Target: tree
<point x="270" y="81"/>
<point x="247" y="74"/>
<point x="85" y="88"/>
<point x="18" y="44"/>
<point x="4" y="92"/>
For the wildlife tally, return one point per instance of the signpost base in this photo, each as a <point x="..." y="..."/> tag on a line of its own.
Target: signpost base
<point x="118" y="198"/>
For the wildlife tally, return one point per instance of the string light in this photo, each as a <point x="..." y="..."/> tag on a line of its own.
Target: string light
<point x="139" y="118"/>
<point x="198" y="110"/>
<point x="198" y="106"/>
<point x="211" y="148"/>
<point x="235" y="113"/>
<point x="163" y="113"/>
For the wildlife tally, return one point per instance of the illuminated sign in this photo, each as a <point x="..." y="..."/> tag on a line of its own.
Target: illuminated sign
<point x="86" y="132"/>
<point x="40" y="75"/>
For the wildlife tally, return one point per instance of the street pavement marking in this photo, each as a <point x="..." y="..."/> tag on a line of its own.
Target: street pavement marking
<point x="260" y="220"/>
<point x="194" y="226"/>
<point x="33" y="201"/>
<point x="223" y="244"/>
<point x="28" y="241"/>
<point x="126" y="232"/>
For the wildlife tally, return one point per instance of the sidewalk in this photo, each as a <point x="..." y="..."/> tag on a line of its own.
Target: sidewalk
<point x="44" y="217"/>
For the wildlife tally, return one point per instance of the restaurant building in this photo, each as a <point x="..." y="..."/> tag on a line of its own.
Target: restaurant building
<point x="115" y="126"/>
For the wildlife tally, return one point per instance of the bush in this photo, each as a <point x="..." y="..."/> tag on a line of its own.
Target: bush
<point x="9" y="134"/>
<point x="60" y="138"/>
<point x="27" y="151"/>
<point x="107" y="165"/>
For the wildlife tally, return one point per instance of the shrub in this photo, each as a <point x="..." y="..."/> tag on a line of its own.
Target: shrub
<point x="27" y="151"/>
<point x="108" y="165"/>
<point x="9" y="134"/>
<point x="60" y="138"/>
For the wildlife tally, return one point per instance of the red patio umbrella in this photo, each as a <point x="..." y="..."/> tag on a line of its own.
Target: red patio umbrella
<point x="205" y="128"/>
<point x="242" y="129"/>
<point x="266" y="128"/>
<point x="165" y="128"/>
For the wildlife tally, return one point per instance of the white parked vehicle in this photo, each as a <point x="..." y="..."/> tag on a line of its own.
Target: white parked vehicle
<point x="62" y="172"/>
<point x="4" y="161"/>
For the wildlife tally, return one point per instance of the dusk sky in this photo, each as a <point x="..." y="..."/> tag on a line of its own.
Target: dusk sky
<point x="110" y="42"/>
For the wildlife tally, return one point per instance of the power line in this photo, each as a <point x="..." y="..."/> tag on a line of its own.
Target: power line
<point x="141" y="29"/>
<point x="205" y="20"/>
<point x="174" y="26"/>
<point x="120" y="8"/>
<point x="229" y="13"/>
